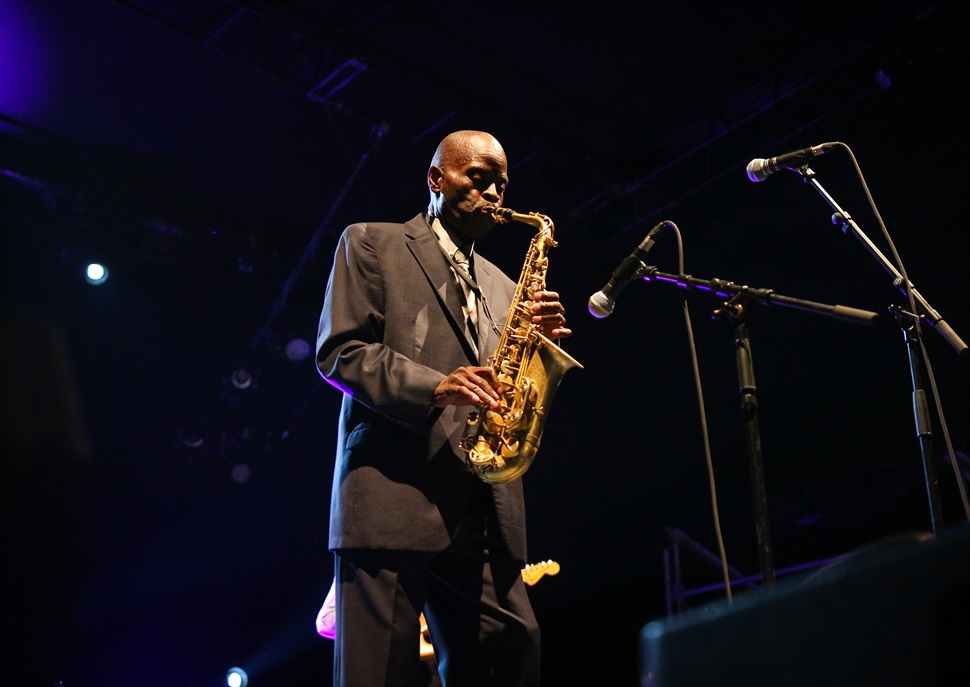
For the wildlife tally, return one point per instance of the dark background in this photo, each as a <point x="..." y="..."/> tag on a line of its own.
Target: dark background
<point x="161" y="525"/>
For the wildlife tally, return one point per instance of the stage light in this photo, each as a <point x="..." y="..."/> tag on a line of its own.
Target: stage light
<point x="240" y="473"/>
<point x="192" y="437"/>
<point x="96" y="273"/>
<point x="241" y="379"/>
<point x="236" y="677"/>
<point x="297" y="349"/>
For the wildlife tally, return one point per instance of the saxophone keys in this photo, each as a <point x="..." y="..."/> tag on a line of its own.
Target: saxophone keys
<point x="482" y="457"/>
<point x="493" y="422"/>
<point x="509" y="450"/>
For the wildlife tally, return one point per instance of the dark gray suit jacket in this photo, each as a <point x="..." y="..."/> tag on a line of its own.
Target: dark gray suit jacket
<point x="390" y="330"/>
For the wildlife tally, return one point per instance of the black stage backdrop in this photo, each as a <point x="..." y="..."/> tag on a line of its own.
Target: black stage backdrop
<point x="162" y="525"/>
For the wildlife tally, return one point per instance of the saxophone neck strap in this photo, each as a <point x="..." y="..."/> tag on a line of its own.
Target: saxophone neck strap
<point x="463" y="274"/>
<point x="442" y="235"/>
<point x="460" y="270"/>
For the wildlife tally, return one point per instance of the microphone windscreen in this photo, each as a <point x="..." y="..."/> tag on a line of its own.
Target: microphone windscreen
<point x="756" y="170"/>
<point x="600" y="305"/>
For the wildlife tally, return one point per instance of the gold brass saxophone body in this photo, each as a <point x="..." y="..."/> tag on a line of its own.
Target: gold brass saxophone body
<point x="501" y="444"/>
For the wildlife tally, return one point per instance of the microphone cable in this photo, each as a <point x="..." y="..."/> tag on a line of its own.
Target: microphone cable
<point x="705" y="435"/>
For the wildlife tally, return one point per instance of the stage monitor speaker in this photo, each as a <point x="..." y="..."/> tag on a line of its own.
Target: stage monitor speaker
<point x="895" y="613"/>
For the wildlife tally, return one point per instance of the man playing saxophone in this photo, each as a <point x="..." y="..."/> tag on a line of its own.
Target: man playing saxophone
<point x="411" y="314"/>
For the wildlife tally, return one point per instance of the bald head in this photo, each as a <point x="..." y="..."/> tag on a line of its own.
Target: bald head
<point x="461" y="145"/>
<point x="467" y="177"/>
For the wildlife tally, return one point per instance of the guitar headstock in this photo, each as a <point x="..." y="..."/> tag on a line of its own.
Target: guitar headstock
<point x="533" y="572"/>
<point x="530" y="574"/>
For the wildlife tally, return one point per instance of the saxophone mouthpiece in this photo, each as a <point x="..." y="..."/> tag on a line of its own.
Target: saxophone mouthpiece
<point x="501" y="215"/>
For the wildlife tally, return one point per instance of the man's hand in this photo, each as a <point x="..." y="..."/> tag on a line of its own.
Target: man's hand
<point x="468" y="386"/>
<point x="550" y="315"/>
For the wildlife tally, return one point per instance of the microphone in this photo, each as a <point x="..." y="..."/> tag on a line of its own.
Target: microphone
<point x="602" y="302"/>
<point x="760" y="169"/>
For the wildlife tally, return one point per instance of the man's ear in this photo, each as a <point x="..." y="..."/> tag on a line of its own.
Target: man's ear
<point x="434" y="178"/>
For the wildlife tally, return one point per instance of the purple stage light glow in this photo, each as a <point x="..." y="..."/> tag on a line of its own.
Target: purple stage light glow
<point x="24" y="63"/>
<point x="337" y="385"/>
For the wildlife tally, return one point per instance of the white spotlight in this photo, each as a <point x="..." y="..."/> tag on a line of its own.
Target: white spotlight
<point x="236" y="677"/>
<point x="96" y="273"/>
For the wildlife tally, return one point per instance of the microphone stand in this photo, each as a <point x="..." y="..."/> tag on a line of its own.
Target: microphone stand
<point x="735" y="309"/>
<point x="908" y="323"/>
<point x="931" y="315"/>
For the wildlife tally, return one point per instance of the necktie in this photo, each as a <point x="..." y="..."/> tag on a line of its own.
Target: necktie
<point x="471" y="304"/>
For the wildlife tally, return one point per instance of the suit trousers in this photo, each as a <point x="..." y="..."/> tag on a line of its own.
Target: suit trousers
<point x="482" y="624"/>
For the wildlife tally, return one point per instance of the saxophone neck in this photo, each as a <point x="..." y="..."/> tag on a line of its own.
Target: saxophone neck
<point x="540" y="222"/>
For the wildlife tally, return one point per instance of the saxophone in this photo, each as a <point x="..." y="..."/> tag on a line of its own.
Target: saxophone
<point x="501" y="444"/>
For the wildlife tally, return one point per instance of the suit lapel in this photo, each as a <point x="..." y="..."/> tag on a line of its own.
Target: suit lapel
<point x="424" y="247"/>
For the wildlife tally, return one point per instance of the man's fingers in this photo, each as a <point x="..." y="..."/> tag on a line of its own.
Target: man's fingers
<point x="469" y="386"/>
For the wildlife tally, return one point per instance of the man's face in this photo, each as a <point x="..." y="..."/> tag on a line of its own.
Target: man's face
<point x="470" y="179"/>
